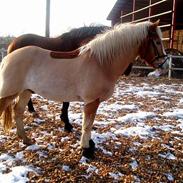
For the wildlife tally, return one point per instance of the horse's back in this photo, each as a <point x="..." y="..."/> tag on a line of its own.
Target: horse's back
<point x="66" y="42"/>
<point x="26" y="40"/>
<point x="15" y="58"/>
<point x="21" y="59"/>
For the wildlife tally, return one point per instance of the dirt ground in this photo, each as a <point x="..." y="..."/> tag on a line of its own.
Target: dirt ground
<point x="150" y="150"/>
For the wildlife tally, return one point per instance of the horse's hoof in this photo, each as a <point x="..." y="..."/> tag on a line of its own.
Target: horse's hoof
<point x="89" y="152"/>
<point x="68" y="128"/>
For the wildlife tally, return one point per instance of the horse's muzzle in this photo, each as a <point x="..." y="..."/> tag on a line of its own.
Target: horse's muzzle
<point x="159" y="61"/>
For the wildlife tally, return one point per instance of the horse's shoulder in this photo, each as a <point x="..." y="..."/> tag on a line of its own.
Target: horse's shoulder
<point x="62" y="55"/>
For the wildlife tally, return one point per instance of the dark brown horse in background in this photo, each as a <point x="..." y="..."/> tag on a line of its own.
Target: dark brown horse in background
<point x="68" y="41"/>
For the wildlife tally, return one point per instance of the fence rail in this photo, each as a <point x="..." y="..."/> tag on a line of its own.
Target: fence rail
<point x="142" y="9"/>
<point x="153" y="16"/>
<point x="170" y="11"/>
<point x="170" y="67"/>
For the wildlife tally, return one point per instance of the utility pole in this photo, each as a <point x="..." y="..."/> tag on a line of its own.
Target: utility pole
<point x="47" y="31"/>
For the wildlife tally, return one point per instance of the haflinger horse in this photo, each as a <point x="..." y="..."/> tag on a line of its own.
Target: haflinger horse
<point x="68" y="41"/>
<point x="93" y="72"/>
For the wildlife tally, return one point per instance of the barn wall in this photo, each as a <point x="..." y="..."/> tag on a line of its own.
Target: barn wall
<point x="178" y="39"/>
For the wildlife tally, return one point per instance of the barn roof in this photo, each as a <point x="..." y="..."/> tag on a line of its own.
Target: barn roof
<point x="118" y="6"/>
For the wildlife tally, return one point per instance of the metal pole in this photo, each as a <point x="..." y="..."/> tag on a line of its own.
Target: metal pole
<point x="121" y="17"/>
<point x="47" y="31"/>
<point x="173" y="23"/>
<point x="170" y="67"/>
<point x="133" y="15"/>
<point x="150" y="9"/>
<point x="172" y="35"/>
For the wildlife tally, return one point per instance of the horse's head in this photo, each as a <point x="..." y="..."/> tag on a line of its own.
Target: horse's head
<point x="152" y="49"/>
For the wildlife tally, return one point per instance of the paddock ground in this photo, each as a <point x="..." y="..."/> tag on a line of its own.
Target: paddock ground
<point x="138" y="134"/>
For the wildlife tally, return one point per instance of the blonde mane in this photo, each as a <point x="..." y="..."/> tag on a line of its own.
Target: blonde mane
<point x="120" y="39"/>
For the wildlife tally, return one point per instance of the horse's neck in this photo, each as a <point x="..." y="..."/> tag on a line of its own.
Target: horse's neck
<point x="120" y="64"/>
<point x="53" y="44"/>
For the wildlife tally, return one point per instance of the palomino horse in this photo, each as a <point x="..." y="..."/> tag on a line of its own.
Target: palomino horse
<point x="103" y="59"/>
<point x="66" y="42"/>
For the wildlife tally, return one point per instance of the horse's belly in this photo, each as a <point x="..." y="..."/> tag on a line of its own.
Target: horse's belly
<point x="59" y="95"/>
<point x="56" y="88"/>
<point x="61" y="98"/>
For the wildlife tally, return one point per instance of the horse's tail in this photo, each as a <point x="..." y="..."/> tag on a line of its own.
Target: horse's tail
<point x="11" y="47"/>
<point x="7" y="117"/>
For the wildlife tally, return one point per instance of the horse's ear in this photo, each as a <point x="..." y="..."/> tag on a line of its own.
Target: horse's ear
<point x="156" y="23"/>
<point x="154" y="26"/>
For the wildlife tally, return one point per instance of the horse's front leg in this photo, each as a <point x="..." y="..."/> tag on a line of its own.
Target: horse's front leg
<point x="64" y="117"/>
<point x="18" y="116"/>
<point x="86" y="142"/>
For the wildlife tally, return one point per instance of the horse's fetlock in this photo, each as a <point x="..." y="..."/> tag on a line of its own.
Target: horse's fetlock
<point x="89" y="152"/>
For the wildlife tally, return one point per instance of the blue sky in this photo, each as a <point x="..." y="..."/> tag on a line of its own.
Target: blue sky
<point x="28" y="16"/>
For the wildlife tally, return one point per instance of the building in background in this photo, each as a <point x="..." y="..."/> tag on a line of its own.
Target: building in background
<point x="168" y="11"/>
<point x="171" y="22"/>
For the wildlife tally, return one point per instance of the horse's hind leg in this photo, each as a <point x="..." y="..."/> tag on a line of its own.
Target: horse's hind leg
<point x="31" y="107"/>
<point x="89" y="115"/>
<point x="64" y="117"/>
<point x="18" y="115"/>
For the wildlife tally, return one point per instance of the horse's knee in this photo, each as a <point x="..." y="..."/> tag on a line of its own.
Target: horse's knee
<point x="18" y="111"/>
<point x="22" y="102"/>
